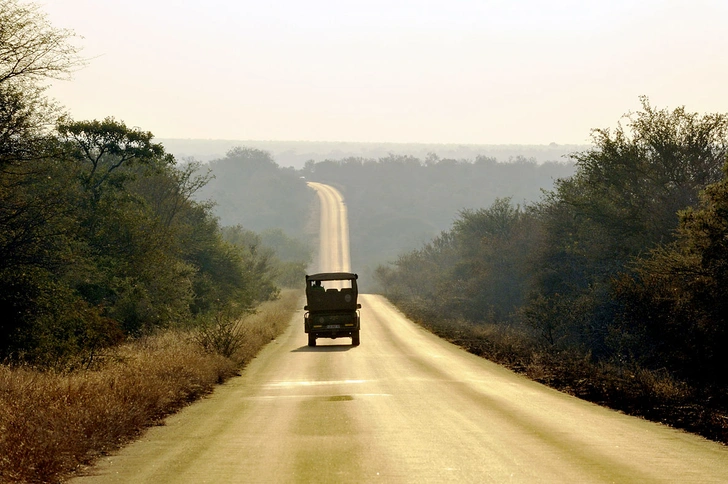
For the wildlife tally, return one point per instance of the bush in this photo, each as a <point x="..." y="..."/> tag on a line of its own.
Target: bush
<point x="223" y="335"/>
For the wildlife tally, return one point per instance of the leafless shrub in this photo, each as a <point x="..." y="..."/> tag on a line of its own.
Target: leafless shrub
<point x="224" y="335"/>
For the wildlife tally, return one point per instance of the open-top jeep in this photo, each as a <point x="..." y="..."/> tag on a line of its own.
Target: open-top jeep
<point x="332" y="308"/>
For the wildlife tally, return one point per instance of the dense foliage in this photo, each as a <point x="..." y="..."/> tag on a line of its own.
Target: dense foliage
<point x="100" y="238"/>
<point x="675" y="301"/>
<point x="624" y="261"/>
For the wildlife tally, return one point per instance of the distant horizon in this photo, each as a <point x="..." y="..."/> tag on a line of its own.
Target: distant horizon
<point x="426" y="143"/>
<point x="295" y="154"/>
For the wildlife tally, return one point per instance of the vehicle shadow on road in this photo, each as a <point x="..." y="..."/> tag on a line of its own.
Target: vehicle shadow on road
<point x="323" y="349"/>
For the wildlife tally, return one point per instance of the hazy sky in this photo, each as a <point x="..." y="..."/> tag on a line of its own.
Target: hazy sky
<point x="450" y="71"/>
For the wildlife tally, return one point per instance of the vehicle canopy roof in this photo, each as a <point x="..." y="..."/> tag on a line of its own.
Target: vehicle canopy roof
<point x="332" y="276"/>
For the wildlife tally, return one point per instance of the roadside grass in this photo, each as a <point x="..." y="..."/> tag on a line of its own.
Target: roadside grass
<point x="53" y="422"/>
<point x="653" y="395"/>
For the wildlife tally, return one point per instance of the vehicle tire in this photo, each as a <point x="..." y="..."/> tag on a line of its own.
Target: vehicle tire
<point x="355" y="338"/>
<point x="311" y="339"/>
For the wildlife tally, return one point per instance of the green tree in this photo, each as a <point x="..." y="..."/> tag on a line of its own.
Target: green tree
<point x="259" y="261"/>
<point x="477" y="271"/>
<point x="103" y="147"/>
<point x="675" y="305"/>
<point x="622" y="202"/>
<point x="292" y="257"/>
<point x="422" y="281"/>
<point x="170" y="189"/>
<point x="251" y="190"/>
<point x="37" y="190"/>
<point x="494" y="247"/>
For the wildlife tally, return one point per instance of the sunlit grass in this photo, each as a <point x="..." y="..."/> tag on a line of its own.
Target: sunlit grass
<point x="53" y="422"/>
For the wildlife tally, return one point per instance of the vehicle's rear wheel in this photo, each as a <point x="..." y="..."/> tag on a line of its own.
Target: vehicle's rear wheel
<point x="311" y="339"/>
<point x="355" y="338"/>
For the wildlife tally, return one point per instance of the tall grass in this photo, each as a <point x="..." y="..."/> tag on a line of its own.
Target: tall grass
<point x="52" y="422"/>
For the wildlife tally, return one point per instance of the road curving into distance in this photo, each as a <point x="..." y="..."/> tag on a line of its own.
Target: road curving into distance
<point x="334" y="254"/>
<point x="405" y="406"/>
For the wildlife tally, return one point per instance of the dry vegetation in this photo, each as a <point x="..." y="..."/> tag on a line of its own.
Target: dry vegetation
<point x="53" y="422"/>
<point x="653" y="395"/>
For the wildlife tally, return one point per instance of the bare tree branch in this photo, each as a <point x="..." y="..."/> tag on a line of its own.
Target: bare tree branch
<point x="32" y="49"/>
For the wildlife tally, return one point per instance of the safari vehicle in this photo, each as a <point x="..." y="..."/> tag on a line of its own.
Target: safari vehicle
<point x="332" y="309"/>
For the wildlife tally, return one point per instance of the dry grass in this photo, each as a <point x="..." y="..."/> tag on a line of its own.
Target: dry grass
<point x="266" y="324"/>
<point x="51" y="422"/>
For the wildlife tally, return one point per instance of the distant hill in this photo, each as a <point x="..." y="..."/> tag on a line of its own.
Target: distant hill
<point x="296" y="153"/>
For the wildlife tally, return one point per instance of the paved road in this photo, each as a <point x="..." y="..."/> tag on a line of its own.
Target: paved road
<point x="334" y="254"/>
<point x="404" y="406"/>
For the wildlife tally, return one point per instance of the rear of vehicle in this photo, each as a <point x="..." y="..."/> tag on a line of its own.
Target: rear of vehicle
<point x="332" y="307"/>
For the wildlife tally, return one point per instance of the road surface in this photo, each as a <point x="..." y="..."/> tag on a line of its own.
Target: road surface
<point x="334" y="254"/>
<point x="404" y="406"/>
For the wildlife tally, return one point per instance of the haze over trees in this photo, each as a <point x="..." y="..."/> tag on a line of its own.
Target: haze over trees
<point x="399" y="202"/>
<point x="394" y="203"/>
<point x="250" y="189"/>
